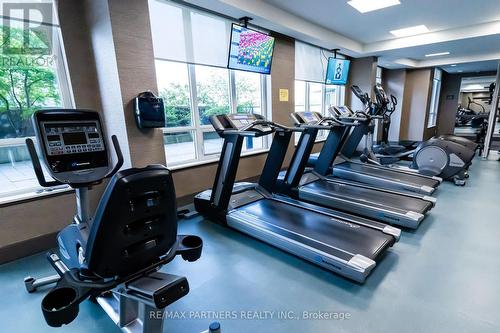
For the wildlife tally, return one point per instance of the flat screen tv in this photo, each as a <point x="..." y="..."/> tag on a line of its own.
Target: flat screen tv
<point x="250" y="50"/>
<point x="337" y="71"/>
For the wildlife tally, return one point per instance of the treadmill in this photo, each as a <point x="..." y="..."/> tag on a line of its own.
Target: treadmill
<point x="371" y="174"/>
<point x="314" y="186"/>
<point x="342" y="243"/>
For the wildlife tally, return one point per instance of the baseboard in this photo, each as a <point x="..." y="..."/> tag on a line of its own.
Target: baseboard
<point x="27" y="247"/>
<point x="48" y="241"/>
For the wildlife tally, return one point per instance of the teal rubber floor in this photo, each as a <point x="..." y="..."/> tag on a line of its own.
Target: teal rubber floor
<point x="443" y="277"/>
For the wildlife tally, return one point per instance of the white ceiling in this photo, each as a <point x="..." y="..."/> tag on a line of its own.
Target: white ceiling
<point x="468" y="29"/>
<point x="374" y="26"/>
<point x="471" y="67"/>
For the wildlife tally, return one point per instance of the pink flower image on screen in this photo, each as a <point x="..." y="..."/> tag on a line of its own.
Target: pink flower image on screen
<point x="255" y="49"/>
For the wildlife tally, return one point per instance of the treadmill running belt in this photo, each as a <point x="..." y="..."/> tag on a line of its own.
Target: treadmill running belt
<point x="317" y="227"/>
<point x="369" y="197"/>
<point x="387" y="173"/>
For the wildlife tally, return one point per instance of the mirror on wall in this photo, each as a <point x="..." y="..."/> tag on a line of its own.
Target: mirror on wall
<point x="474" y="107"/>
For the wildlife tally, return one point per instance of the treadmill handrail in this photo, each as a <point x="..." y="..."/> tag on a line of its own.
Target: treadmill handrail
<point x="326" y="124"/>
<point x="266" y="123"/>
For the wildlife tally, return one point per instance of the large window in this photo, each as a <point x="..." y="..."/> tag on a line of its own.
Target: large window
<point x="318" y="97"/>
<point x="195" y="83"/>
<point x="32" y="77"/>
<point x="311" y="93"/>
<point x="189" y="136"/>
<point x="434" y="105"/>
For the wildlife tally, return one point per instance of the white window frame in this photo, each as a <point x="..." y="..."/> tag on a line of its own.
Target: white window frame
<point x="378" y="75"/>
<point x="307" y="107"/>
<point x="432" y="113"/>
<point x="67" y="101"/>
<point x="201" y="157"/>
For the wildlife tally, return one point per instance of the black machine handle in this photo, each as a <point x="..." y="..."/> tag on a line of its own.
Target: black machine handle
<point x="119" y="155"/>
<point x="338" y="121"/>
<point x="362" y="96"/>
<point x="252" y="125"/>
<point x="364" y="114"/>
<point x="246" y="130"/>
<point x="394" y="101"/>
<point x="389" y="110"/>
<point x="38" y="167"/>
<point x="265" y="122"/>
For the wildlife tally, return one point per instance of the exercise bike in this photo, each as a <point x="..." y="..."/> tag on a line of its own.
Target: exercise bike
<point x="113" y="257"/>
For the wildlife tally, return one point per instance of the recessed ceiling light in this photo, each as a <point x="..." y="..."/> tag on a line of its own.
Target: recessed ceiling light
<point x="364" y="6"/>
<point x="453" y="65"/>
<point x="437" y="54"/>
<point x="410" y="31"/>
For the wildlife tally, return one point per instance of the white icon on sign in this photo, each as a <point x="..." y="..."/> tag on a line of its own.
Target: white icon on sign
<point x="339" y="70"/>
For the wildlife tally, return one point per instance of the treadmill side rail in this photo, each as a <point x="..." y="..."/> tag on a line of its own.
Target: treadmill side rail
<point x="362" y="262"/>
<point x="408" y="219"/>
<point x="390" y="230"/>
<point x="439" y="179"/>
<point x="430" y="199"/>
<point x="344" y="173"/>
<point x="427" y="189"/>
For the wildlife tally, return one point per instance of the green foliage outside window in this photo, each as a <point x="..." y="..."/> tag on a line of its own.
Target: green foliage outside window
<point x="213" y="99"/>
<point x="27" y="83"/>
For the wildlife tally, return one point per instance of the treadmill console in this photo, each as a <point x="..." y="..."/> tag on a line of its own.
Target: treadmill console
<point x="341" y="111"/>
<point x="72" y="146"/>
<point x="308" y="118"/>
<point x="239" y="122"/>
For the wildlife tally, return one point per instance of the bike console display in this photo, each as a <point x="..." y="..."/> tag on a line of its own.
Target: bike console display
<point x="73" y="146"/>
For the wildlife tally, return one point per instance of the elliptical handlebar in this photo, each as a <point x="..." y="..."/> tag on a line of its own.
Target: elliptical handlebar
<point x="394" y="101"/>
<point x="362" y="96"/>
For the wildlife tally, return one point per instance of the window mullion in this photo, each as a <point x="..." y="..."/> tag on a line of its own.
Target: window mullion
<point x="62" y="72"/>
<point x="323" y="100"/>
<point x="263" y="105"/>
<point x="232" y="93"/>
<point x="307" y="99"/>
<point x="195" y="115"/>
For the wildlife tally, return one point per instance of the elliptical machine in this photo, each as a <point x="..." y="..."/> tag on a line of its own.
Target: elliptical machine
<point x="444" y="156"/>
<point x="447" y="159"/>
<point x="113" y="257"/>
<point x="385" y="108"/>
